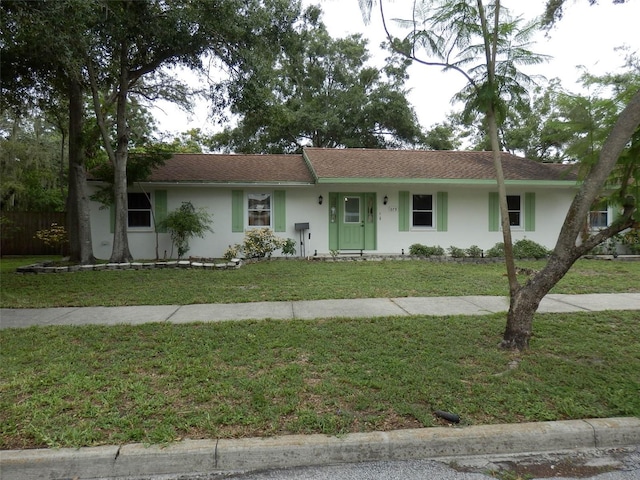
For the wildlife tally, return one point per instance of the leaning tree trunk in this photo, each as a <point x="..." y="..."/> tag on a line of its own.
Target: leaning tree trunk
<point x="491" y="51"/>
<point x="522" y="307"/>
<point x="525" y="302"/>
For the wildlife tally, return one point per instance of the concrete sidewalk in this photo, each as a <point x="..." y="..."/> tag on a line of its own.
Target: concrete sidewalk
<point x="367" y="307"/>
<point x="249" y="454"/>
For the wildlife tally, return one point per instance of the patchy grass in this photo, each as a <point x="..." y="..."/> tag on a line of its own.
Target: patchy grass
<point x="157" y="383"/>
<point x="292" y="280"/>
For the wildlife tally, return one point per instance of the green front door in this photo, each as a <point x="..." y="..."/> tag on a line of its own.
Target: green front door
<point x="351" y="228"/>
<point x="352" y="221"/>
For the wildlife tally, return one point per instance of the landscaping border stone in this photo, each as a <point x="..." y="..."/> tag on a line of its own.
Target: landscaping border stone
<point x="49" y="267"/>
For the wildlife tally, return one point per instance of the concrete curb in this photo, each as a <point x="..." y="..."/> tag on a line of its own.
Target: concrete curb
<point x="228" y="455"/>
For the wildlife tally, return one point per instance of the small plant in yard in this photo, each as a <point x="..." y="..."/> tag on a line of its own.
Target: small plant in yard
<point x="609" y="246"/>
<point x="260" y="243"/>
<point x="456" y="252"/>
<point x="232" y="252"/>
<point x="289" y="246"/>
<point x="420" y="250"/>
<point x="631" y="239"/>
<point x="186" y="223"/>
<point x="521" y="249"/>
<point x="496" y="251"/>
<point x="54" y="236"/>
<point x="529" y="249"/>
<point x="474" y="251"/>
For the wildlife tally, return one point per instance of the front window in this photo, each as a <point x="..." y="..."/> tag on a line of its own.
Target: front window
<point x="514" y="209"/>
<point x="259" y="209"/>
<point x="139" y="213"/>
<point x="422" y="211"/>
<point x="598" y="219"/>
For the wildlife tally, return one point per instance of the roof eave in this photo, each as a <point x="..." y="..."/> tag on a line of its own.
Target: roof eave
<point x="445" y="181"/>
<point x="239" y="183"/>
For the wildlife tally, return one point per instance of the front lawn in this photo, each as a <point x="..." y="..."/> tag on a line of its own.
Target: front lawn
<point x="157" y="383"/>
<point x="280" y="280"/>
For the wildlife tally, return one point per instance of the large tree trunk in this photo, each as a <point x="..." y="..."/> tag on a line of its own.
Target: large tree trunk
<point x="78" y="211"/>
<point x="522" y="307"/>
<point x="526" y="300"/>
<point x="120" y="252"/>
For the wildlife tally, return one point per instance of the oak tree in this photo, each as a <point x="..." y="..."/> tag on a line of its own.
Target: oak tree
<point x="322" y="92"/>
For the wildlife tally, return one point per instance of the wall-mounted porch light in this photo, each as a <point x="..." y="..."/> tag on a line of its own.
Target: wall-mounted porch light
<point x="385" y="200"/>
<point x="320" y="199"/>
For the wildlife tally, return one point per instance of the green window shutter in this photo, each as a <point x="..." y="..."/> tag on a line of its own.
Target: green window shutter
<point x="280" y="211"/>
<point x="237" y="211"/>
<point x="160" y="211"/>
<point x="112" y="218"/>
<point x="443" y="210"/>
<point x="494" y="212"/>
<point x="403" y="212"/>
<point x="530" y="212"/>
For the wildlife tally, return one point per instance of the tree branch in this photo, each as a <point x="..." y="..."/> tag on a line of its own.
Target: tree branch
<point x="99" y="115"/>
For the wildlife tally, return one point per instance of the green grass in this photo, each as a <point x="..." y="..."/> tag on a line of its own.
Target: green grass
<point x="157" y="383"/>
<point x="292" y="280"/>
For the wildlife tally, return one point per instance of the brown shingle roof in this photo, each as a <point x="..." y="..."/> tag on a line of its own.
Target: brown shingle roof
<point x="325" y="165"/>
<point x="208" y="168"/>
<point x="426" y="164"/>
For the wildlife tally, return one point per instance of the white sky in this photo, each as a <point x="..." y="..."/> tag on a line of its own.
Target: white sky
<point x="587" y="36"/>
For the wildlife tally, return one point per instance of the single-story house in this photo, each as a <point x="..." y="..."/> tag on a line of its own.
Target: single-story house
<point x="360" y="200"/>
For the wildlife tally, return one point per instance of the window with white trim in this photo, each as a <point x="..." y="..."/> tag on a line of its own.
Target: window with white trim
<point x="598" y="219"/>
<point x="514" y="210"/>
<point x="422" y="212"/>
<point x="139" y="210"/>
<point x="259" y="209"/>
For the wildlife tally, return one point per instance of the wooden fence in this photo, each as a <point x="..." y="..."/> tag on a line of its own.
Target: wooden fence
<point x="18" y="230"/>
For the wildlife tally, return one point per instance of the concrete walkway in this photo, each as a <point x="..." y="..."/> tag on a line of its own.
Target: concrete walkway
<point x="368" y="307"/>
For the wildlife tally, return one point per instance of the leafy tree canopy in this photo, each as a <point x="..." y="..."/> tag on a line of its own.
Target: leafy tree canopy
<point x="322" y="93"/>
<point x="560" y="126"/>
<point x="32" y="174"/>
<point x="554" y="10"/>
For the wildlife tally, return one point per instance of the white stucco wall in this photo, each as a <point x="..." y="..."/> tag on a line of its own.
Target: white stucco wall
<point x="468" y="218"/>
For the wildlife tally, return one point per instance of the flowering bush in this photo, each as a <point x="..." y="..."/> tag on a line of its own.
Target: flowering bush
<point x="260" y="243"/>
<point x="231" y="252"/>
<point x="54" y="236"/>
